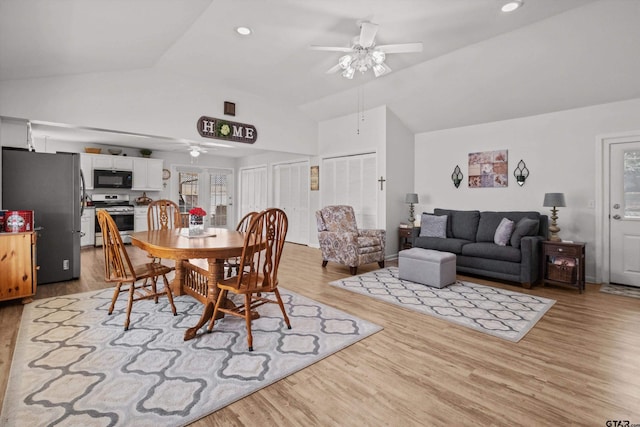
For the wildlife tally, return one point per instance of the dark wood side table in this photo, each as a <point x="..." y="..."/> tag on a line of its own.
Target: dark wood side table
<point x="405" y="238"/>
<point x="553" y="270"/>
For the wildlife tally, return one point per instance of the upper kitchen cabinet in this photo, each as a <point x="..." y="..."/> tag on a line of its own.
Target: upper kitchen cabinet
<point x="147" y="174"/>
<point x="87" y="170"/>
<point x="112" y="162"/>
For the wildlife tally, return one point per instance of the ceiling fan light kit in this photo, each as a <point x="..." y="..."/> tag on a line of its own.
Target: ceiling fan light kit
<point x="364" y="55"/>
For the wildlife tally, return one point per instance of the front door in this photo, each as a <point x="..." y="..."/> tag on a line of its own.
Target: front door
<point x="624" y="213"/>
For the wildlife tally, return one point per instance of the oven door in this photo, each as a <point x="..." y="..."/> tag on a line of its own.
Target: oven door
<point x="124" y="222"/>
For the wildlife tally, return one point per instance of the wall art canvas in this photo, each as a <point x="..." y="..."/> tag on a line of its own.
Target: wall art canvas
<point x="489" y="169"/>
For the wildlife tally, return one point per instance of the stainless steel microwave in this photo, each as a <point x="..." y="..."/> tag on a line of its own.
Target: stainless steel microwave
<point x="103" y="178"/>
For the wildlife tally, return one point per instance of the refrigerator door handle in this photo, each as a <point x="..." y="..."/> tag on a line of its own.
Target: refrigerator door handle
<point x="84" y="194"/>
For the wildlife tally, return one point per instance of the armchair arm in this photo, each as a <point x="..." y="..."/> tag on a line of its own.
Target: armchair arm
<point x="379" y="233"/>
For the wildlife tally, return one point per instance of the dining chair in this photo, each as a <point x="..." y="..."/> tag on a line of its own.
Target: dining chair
<point x="119" y="270"/>
<point x="163" y="214"/>
<point x="258" y="273"/>
<point x="234" y="263"/>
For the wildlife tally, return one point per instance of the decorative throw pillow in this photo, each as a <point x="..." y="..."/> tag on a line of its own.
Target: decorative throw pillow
<point x="503" y="232"/>
<point x="433" y="226"/>
<point x="524" y="227"/>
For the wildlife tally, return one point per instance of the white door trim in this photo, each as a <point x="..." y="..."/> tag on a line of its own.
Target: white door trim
<point x="602" y="175"/>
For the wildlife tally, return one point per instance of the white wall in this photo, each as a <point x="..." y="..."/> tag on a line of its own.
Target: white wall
<point x="153" y="102"/>
<point x="558" y="148"/>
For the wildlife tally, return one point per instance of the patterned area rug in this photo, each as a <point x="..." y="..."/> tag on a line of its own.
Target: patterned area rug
<point x="626" y="291"/>
<point x="498" y="312"/>
<point x="75" y="365"/>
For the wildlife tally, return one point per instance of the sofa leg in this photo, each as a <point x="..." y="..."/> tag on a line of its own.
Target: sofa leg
<point x="324" y="262"/>
<point x="526" y="285"/>
<point x="353" y="270"/>
<point x="381" y="264"/>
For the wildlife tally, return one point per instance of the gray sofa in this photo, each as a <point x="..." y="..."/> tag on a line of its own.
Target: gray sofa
<point x="470" y="235"/>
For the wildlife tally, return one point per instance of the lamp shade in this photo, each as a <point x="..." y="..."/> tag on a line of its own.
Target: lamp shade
<point x="411" y="198"/>
<point x="554" y="200"/>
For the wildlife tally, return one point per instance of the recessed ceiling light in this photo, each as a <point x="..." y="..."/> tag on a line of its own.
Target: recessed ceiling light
<point x="510" y="6"/>
<point x="243" y="31"/>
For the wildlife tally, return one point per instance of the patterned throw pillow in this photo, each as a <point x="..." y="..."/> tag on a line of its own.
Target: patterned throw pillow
<point x="503" y="232"/>
<point x="433" y="226"/>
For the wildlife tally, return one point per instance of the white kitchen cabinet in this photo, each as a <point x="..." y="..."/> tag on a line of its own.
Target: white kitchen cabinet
<point x="86" y="166"/>
<point x="101" y="161"/>
<point x="147" y="174"/>
<point x="140" y="218"/>
<point x="88" y="227"/>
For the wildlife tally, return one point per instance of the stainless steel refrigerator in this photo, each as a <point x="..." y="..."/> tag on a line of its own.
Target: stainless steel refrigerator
<point x="51" y="186"/>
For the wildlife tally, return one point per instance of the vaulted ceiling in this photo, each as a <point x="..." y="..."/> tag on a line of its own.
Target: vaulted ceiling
<point x="478" y="64"/>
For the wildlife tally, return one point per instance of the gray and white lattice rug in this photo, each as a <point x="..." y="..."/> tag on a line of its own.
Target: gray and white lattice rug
<point x="625" y="291"/>
<point x="75" y="365"/>
<point x="498" y="312"/>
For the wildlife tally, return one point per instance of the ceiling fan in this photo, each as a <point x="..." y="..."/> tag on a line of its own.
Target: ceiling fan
<point x="364" y="54"/>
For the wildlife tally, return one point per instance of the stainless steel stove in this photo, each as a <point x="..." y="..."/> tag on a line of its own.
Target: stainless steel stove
<point x="120" y="209"/>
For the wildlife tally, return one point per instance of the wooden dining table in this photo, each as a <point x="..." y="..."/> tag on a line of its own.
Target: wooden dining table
<point x="193" y="278"/>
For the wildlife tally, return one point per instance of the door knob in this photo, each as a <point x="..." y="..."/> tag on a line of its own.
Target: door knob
<point x="617" y="217"/>
<point x="616" y="206"/>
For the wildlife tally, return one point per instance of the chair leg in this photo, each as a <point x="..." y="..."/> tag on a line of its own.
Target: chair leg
<point x="129" y="306"/>
<point x="324" y="262"/>
<point x="116" y="292"/>
<point x="353" y="270"/>
<point x="281" y="304"/>
<point x="154" y="288"/>
<point x="381" y="264"/>
<point x="247" y="317"/>
<point x="167" y="289"/>
<point x="222" y="295"/>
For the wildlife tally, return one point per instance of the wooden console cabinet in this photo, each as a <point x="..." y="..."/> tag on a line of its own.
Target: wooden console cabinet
<point x="18" y="266"/>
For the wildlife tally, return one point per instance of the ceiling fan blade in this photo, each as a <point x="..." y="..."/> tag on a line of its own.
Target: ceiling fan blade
<point x="334" y="69"/>
<point x="368" y="32"/>
<point x="400" y="48"/>
<point x="332" y="48"/>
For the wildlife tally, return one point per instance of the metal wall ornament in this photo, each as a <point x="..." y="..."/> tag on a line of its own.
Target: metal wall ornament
<point x="521" y="173"/>
<point x="457" y="176"/>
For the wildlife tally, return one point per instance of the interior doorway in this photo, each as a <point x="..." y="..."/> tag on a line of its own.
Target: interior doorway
<point x="291" y="194"/>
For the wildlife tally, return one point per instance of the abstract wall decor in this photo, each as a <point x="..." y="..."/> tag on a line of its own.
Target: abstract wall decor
<point x="489" y="169"/>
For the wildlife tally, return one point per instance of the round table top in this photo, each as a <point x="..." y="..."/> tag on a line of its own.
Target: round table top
<point x="218" y="243"/>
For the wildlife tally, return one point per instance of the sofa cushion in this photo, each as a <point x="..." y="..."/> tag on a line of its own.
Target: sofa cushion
<point x="502" y="236"/>
<point x="524" y="227"/>
<point x="461" y="224"/>
<point x="445" y="245"/>
<point x="433" y="226"/>
<point x="489" y="221"/>
<point x="492" y="251"/>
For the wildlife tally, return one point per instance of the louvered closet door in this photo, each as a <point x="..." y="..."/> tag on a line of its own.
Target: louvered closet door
<point x="253" y="190"/>
<point x="351" y="180"/>
<point x="291" y="183"/>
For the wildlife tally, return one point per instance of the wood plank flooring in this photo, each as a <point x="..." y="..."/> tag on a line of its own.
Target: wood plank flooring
<point x="580" y="365"/>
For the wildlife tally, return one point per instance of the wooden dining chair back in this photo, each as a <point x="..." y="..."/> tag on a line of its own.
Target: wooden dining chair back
<point x="163" y="214"/>
<point x="233" y="264"/>
<point x="258" y="274"/>
<point x="119" y="270"/>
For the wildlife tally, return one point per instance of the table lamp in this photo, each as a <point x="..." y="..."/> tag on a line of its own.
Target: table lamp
<point x="554" y="200"/>
<point x="411" y="198"/>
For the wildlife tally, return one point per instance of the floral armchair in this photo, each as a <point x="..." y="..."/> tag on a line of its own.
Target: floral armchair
<point x="342" y="242"/>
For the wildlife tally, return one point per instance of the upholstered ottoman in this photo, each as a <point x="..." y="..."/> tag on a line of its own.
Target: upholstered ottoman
<point x="426" y="266"/>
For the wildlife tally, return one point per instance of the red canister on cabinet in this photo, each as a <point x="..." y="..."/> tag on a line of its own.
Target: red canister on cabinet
<point x="18" y="221"/>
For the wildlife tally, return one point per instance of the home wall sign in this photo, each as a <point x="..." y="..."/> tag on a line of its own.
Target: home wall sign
<point x="488" y="169"/>
<point x="210" y="127"/>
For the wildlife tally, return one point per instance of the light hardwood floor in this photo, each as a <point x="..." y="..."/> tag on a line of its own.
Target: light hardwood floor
<point x="580" y="365"/>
